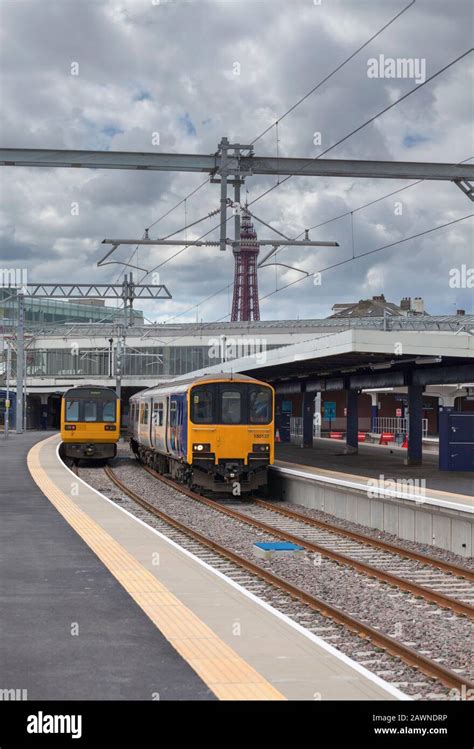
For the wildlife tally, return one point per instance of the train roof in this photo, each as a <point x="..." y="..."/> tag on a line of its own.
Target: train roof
<point x="83" y="390"/>
<point x="182" y="384"/>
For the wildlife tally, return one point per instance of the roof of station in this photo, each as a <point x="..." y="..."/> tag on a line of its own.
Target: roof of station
<point x="317" y="326"/>
<point x="359" y="358"/>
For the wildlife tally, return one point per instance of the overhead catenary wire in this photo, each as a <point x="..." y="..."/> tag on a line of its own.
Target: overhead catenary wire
<point x="341" y="215"/>
<point x="333" y="72"/>
<point x="310" y="161"/>
<point x="367" y="122"/>
<point x="292" y="108"/>
<point x="372" y="252"/>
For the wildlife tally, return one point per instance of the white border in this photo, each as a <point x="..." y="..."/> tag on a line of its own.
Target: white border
<point x="314" y="638"/>
<point x="381" y="493"/>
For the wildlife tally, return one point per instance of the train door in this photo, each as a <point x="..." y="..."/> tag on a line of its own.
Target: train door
<point x="151" y="426"/>
<point x="158" y="429"/>
<point x="177" y="424"/>
<point x="144" y="426"/>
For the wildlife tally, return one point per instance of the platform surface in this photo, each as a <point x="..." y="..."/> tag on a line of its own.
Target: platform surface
<point x="145" y="624"/>
<point x="53" y="586"/>
<point x="373" y="461"/>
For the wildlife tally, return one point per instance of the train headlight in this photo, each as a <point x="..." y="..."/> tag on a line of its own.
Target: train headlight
<point x="261" y="448"/>
<point x="201" y="447"/>
<point x="69" y="427"/>
<point x="110" y="428"/>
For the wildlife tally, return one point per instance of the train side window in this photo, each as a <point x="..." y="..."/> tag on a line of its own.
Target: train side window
<point x="108" y="411"/>
<point x="158" y="414"/>
<point x="142" y="413"/>
<point x="260" y="405"/>
<point x="90" y="410"/>
<point x="173" y="413"/>
<point x="72" y="410"/>
<point x="231" y="407"/>
<point x="202" y="410"/>
<point x="145" y="414"/>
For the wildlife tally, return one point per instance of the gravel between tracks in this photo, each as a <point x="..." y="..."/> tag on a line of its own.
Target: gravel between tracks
<point x="436" y="633"/>
<point x="432" y="551"/>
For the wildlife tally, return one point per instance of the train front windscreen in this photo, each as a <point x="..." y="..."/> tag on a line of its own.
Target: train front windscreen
<point x="90" y="406"/>
<point x="231" y="403"/>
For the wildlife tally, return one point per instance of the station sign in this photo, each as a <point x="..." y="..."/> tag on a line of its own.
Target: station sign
<point x="330" y="409"/>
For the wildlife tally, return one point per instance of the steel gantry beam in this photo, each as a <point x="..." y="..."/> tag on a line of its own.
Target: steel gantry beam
<point x="96" y="291"/>
<point x="211" y="164"/>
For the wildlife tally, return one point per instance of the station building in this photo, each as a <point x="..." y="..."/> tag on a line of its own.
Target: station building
<point x="60" y="356"/>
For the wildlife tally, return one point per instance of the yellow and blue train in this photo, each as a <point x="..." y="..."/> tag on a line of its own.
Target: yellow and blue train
<point x="213" y="432"/>
<point x="90" y="423"/>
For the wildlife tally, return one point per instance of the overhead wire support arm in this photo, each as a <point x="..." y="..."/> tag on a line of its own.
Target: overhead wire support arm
<point x="214" y="243"/>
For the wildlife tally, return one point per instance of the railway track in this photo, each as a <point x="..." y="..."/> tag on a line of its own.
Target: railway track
<point x="404" y="572"/>
<point x="253" y="577"/>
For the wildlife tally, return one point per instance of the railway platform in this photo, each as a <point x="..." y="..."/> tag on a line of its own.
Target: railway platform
<point x="99" y="605"/>
<point x="69" y="630"/>
<point x="373" y="488"/>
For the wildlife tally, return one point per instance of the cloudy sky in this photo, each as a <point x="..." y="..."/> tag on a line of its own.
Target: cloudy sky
<point x="150" y="66"/>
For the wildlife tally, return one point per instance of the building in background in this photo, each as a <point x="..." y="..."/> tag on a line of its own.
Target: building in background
<point x="379" y="307"/>
<point x="40" y="311"/>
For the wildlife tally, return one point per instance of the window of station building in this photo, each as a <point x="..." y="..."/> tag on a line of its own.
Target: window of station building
<point x="108" y="411"/>
<point x="260" y="405"/>
<point x="231" y="406"/>
<point x="202" y="406"/>
<point x="72" y="410"/>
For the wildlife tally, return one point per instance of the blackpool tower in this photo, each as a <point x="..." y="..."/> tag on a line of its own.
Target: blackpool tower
<point x="245" y="305"/>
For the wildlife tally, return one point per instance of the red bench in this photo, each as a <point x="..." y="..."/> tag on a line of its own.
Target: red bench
<point x="386" y="437"/>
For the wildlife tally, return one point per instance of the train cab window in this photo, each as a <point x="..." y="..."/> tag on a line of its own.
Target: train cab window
<point x="231" y="407"/>
<point x="260" y="405"/>
<point x="108" y="411"/>
<point x="90" y="410"/>
<point x="72" y="410"/>
<point x="202" y="411"/>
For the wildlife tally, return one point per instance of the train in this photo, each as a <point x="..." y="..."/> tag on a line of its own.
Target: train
<point x="212" y="432"/>
<point x="90" y="423"/>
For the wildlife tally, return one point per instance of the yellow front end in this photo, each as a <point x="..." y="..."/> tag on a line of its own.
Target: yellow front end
<point x="108" y="432"/>
<point x="222" y="455"/>
<point x="84" y="439"/>
<point x="228" y="441"/>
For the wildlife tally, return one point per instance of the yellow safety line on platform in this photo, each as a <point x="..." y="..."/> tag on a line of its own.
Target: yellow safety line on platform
<point x="221" y="668"/>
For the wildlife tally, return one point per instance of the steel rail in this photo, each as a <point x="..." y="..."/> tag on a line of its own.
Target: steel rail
<point x="408" y="655"/>
<point x="370" y="541"/>
<point x="458" y="607"/>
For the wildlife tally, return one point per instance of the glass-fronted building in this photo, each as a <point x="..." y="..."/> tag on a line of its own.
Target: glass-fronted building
<point x="39" y="311"/>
